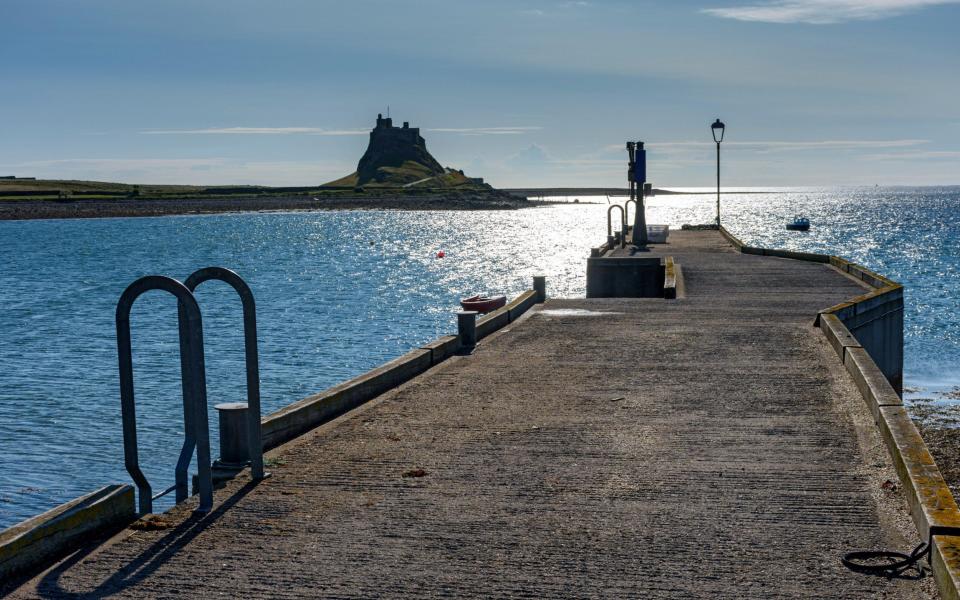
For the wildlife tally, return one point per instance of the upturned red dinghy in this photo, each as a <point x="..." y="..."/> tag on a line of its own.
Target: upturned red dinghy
<point x="482" y="303"/>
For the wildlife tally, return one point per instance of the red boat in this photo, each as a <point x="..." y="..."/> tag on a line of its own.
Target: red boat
<point x="483" y="304"/>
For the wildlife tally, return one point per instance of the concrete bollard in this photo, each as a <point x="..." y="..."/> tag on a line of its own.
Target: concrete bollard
<point x="467" y="328"/>
<point x="233" y="434"/>
<point x="540" y="287"/>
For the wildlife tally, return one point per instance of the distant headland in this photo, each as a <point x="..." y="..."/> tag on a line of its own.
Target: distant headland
<point x="396" y="172"/>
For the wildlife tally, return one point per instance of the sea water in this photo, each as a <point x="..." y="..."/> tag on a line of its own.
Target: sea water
<point x="339" y="292"/>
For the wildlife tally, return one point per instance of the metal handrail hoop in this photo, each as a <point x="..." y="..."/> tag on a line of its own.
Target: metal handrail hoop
<point x="193" y="376"/>
<point x="626" y="211"/>
<point x="623" y="225"/>
<point x="254" y="440"/>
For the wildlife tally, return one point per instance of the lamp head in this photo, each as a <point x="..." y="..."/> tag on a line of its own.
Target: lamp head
<point x="717" y="126"/>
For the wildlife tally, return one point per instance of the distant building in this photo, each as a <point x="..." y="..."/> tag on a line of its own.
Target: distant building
<point x="385" y="128"/>
<point x="394" y="148"/>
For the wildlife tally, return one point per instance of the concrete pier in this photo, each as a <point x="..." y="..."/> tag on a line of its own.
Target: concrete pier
<point x="710" y="446"/>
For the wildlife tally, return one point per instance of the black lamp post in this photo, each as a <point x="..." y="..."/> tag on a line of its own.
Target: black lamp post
<point x="637" y="175"/>
<point x="718" y="126"/>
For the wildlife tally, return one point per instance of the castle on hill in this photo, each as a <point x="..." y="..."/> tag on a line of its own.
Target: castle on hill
<point x="398" y="157"/>
<point x="385" y="129"/>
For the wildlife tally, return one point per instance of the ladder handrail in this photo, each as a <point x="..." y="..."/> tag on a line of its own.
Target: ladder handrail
<point x="254" y="439"/>
<point x="626" y="210"/>
<point x="623" y="223"/>
<point x="196" y="431"/>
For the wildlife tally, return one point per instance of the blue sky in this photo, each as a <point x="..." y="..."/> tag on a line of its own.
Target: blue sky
<point x="522" y="92"/>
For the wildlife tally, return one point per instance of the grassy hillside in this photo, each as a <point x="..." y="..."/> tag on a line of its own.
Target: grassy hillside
<point x="410" y="175"/>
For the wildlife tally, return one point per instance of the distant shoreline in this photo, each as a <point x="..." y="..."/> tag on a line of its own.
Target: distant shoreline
<point x="92" y="208"/>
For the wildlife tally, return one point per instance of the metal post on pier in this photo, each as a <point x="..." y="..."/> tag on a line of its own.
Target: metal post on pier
<point x="467" y="328"/>
<point x="234" y="445"/>
<point x="638" y="175"/>
<point x="540" y="287"/>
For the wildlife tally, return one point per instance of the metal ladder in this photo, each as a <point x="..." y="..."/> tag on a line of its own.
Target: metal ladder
<point x="193" y="382"/>
<point x="254" y="443"/>
<point x="623" y="226"/>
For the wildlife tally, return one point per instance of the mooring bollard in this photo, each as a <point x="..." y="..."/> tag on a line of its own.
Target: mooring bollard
<point x="467" y="328"/>
<point x="611" y="241"/>
<point x="234" y="451"/>
<point x="540" y="287"/>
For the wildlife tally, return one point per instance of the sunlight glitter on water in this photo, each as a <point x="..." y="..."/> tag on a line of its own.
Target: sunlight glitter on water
<point x="340" y="292"/>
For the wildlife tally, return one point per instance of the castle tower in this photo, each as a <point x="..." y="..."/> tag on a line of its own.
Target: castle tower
<point x="393" y="147"/>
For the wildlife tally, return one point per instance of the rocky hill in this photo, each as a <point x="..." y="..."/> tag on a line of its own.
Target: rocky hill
<point x="398" y="157"/>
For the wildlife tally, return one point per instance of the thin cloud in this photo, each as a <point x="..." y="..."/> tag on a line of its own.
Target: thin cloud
<point x="329" y="132"/>
<point x="187" y="171"/>
<point x="125" y="163"/>
<point x="257" y="131"/>
<point x="921" y="155"/>
<point x="822" y="12"/>
<point x="784" y="146"/>
<point x="569" y="5"/>
<point x="484" y="130"/>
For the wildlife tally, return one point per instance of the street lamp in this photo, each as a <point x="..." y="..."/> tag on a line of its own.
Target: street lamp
<point x="718" y="126"/>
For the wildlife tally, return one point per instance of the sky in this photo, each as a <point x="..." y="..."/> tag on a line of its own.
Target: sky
<point x="521" y="92"/>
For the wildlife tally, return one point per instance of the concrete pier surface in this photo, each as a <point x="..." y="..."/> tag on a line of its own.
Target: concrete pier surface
<point x="706" y="447"/>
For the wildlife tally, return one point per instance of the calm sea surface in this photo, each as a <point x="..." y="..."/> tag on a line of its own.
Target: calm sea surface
<point x="341" y="292"/>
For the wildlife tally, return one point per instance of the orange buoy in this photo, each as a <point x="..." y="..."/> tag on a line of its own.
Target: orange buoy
<point x="441" y="254"/>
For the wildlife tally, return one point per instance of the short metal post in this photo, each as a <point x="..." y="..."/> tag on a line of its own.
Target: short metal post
<point x="234" y="447"/>
<point x="540" y="287"/>
<point x="467" y="328"/>
<point x="611" y="241"/>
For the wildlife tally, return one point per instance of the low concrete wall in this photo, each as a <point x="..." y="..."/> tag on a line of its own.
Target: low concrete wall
<point x="669" y="279"/>
<point x="44" y="538"/>
<point x="624" y="277"/>
<point x="492" y="322"/>
<point x="521" y="304"/>
<point x="304" y="415"/>
<point x="443" y="348"/>
<point x="875" y="319"/>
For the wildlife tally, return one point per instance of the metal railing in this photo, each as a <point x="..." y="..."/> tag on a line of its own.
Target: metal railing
<point x="193" y="383"/>
<point x="193" y="378"/>
<point x="626" y="210"/>
<point x="623" y="226"/>
<point x="254" y="443"/>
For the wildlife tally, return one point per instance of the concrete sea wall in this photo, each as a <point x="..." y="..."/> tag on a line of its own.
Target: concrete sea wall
<point x="48" y="536"/>
<point x="875" y="319"/>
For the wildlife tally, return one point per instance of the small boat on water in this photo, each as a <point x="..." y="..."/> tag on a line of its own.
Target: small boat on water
<point x="799" y="224"/>
<point x="483" y="304"/>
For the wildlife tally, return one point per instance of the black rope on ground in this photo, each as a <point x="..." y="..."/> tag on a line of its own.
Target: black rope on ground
<point x="898" y="562"/>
